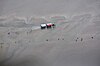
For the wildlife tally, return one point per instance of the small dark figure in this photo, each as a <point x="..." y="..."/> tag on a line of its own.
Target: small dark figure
<point x="9" y="33"/>
<point x="1" y="44"/>
<point x="30" y="31"/>
<point x="92" y="37"/>
<point x="17" y="33"/>
<point x="58" y="38"/>
<point x="63" y="39"/>
<point x="53" y="25"/>
<point x="81" y="39"/>
<point x="76" y="40"/>
<point x="47" y="40"/>
<point x="15" y="42"/>
<point x="27" y="32"/>
<point x="77" y="37"/>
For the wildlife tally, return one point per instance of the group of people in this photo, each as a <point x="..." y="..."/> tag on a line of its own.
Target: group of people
<point x="57" y="39"/>
<point x="81" y="39"/>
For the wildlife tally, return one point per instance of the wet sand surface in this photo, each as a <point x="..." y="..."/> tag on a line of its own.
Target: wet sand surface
<point x="74" y="42"/>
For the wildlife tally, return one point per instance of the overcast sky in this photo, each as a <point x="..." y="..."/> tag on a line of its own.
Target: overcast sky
<point x="47" y="7"/>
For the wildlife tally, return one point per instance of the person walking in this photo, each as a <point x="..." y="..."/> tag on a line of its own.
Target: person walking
<point x="81" y="39"/>
<point x="92" y="37"/>
<point x="76" y="40"/>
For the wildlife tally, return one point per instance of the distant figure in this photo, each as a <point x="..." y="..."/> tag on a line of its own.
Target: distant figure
<point x="47" y="40"/>
<point x="58" y="38"/>
<point x="53" y="25"/>
<point x="15" y="42"/>
<point x="81" y="39"/>
<point x="27" y="33"/>
<point x="9" y="33"/>
<point x="92" y="37"/>
<point x="63" y="39"/>
<point x="1" y="44"/>
<point x="76" y="40"/>
<point x="77" y="37"/>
